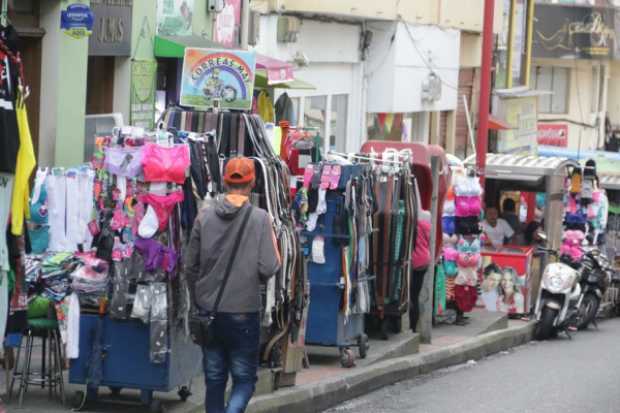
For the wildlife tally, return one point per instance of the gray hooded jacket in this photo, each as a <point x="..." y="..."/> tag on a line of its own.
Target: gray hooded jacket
<point x="208" y="252"/>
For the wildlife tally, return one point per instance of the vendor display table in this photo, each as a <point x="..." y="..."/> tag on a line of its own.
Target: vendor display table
<point x="507" y="290"/>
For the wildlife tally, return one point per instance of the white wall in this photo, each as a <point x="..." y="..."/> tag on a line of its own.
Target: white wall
<point x="335" y="67"/>
<point x="321" y="42"/>
<point x="401" y="67"/>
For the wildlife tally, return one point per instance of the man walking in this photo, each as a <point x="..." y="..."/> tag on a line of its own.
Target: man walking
<point x="254" y="258"/>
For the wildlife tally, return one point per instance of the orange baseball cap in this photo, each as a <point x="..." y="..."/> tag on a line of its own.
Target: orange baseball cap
<point x="239" y="170"/>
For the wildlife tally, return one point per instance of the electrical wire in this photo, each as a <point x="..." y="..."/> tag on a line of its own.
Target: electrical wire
<point x="421" y="55"/>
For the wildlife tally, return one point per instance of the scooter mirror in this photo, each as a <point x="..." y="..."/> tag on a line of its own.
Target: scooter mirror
<point x="542" y="236"/>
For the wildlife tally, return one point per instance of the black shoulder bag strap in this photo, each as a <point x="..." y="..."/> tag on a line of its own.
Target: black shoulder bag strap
<point x="220" y="293"/>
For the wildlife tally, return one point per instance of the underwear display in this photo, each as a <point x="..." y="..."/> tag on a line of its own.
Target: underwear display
<point x="124" y="161"/>
<point x="165" y="164"/>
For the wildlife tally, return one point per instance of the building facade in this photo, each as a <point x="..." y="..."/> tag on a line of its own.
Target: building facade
<point x="574" y="63"/>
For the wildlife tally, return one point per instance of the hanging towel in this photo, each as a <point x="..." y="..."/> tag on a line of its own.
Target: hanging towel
<point x="265" y="108"/>
<point x="26" y="162"/>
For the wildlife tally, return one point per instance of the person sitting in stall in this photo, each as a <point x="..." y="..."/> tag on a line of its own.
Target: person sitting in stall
<point x="496" y="230"/>
<point x="509" y="214"/>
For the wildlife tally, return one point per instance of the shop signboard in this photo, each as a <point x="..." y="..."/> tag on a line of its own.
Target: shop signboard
<point x="226" y="30"/>
<point x="553" y="134"/>
<point x="574" y="32"/>
<point x="174" y="17"/>
<point x="77" y="20"/>
<point x="112" y="32"/>
<point x="143" y="77"/>
<point x="218" y="78"/>
<point x="521" y="113"/>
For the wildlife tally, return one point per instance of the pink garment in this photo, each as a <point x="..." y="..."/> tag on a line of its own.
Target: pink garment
<point x="165" y="164"/>
<point x="421" y="256"/>
<point x="163" y="205"/>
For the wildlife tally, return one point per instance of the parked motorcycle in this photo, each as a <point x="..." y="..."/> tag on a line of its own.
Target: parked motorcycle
<point x="557" y="298"/>
<point x="596" y="275"/>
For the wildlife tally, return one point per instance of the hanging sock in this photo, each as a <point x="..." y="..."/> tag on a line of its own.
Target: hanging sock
<point x="321" y="207"/>
<point x="312" y="221"/>
<point x="318" y="250"/>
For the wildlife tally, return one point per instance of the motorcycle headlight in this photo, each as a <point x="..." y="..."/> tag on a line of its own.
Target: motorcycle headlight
<point x="555" y="282"/>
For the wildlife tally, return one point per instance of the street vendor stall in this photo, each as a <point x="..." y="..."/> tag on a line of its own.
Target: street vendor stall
<point x="534" y="174"/>
<point x="418" y="155"/>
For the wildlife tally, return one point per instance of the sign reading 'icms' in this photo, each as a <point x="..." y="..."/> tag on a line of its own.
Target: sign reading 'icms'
<point x="218" y="78"/>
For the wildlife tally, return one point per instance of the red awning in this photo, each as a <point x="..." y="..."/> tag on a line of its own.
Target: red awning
<point x="498" y="124"/>
<point x="277" y="70"/>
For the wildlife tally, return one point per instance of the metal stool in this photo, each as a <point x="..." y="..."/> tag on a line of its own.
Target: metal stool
<point x="52" y="377"/>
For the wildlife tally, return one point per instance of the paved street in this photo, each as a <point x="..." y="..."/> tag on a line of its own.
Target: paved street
<point x="582" y="375"/>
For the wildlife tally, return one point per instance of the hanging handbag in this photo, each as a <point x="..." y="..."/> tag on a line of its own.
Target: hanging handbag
<point x="199" y="325"/>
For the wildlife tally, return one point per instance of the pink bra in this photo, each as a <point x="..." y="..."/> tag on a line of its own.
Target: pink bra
<point x="468" y="206"/>
<point x="165" y="164"/>
<point x="450" y="254"/>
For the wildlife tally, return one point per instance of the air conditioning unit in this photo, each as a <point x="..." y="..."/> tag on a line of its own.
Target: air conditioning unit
<point x="254" y="28"/>
<point x="288" y="29"/>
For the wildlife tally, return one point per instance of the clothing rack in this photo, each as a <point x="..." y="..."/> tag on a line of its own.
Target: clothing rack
<point x="367" y="158"/>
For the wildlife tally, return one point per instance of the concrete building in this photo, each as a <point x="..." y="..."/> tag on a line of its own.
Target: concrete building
<point x="370" y="62"/>
<point x="120" y="59"/>
<point x="574" y="53"/>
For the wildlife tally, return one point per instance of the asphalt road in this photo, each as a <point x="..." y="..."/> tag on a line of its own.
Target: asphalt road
<point x="563" y="376"/>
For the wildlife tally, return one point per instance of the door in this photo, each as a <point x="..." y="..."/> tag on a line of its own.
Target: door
<point x="100" y="85"/>
<point x="30" y="49"/>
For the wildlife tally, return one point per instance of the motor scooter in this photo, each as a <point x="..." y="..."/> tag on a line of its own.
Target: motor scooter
<point x="558" y="295"/>
<point x="595" y="279"/>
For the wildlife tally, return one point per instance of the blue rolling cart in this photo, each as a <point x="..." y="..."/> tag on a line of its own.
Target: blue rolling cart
<point x="326" y="324"/>
<point x="115" y="354"/>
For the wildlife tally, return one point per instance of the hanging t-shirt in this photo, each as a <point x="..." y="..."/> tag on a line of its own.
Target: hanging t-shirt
<point x="9" y="133"/>
<point x="498" y="233"/>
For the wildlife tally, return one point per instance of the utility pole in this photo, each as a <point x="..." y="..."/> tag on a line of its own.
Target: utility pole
<point x="427" y="294"/>
<point x="485" y="89"/>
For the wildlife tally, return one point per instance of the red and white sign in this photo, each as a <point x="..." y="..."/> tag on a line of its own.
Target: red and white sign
<point x="553" y="134"/>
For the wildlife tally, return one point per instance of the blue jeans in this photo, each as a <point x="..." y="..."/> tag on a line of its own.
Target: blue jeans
<point x="236" y="352"/>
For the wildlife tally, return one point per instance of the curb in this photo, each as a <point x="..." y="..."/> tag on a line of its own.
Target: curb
<point x="317" y="397"/>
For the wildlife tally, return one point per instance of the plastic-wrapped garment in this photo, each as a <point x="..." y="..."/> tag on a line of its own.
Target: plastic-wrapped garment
<point x="120" y="290"/>
<point x="159" y="341"/>
<point x="159" y="303"/>
<point x="142" y="303"/>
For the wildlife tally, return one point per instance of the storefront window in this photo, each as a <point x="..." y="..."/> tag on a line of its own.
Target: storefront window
<point x="315" y="111"/>
<point x="338" y="130"/>
<point x="388" y="126"/>
<point x="555" y="80"/>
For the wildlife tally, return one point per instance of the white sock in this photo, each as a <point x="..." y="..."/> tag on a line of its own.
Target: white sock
<point x="318" y="250"/>
<point x="312" y="220"/>
<point x="321" y="207"/>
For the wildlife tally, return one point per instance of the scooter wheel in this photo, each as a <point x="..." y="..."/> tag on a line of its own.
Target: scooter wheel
<point x="545" y="328"/>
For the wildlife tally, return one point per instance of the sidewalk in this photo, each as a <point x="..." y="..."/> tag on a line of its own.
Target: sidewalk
<point x="326" y="383"/>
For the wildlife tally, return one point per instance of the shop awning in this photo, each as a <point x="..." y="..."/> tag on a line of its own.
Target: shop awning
<point x="277" y="70"/>
<point x="522" y="167"/>
<point x="270" y="71"/>
<point x="496" y="123"/>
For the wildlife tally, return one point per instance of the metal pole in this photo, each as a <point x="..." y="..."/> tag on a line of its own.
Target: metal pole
<point x="531" y="9"/>
<point x="485" y="89"/>
<point x="428" y="289"/>
<point x="511" y="42"/>
<point x="470" y="129"/>
<point x="245" y="24"/>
